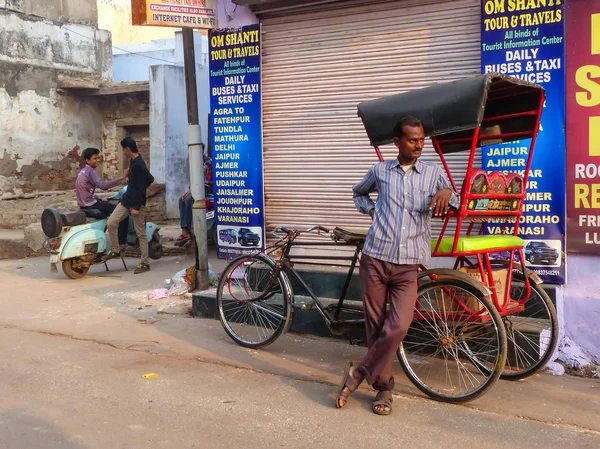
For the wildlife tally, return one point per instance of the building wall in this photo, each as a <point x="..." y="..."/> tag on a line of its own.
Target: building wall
<point x="120" y="112"/>
<point x="230" y="15"/>
<point x="168" y="133"/>
<point x="581" y="313"/>
<point x="133" y="62"/>
<point x="84" y="12"/>
<point x="115" y="16"/>
<point x="161" y="63"/>
<point x="42" y="128"/>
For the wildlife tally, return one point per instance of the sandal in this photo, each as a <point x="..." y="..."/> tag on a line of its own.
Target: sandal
<point x="382" y="400"/>
<point x="348" y="386"/>
<point x="182" y="240"/>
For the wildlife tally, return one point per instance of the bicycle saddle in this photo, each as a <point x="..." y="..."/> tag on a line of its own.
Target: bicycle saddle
<point x="350" y="235"/>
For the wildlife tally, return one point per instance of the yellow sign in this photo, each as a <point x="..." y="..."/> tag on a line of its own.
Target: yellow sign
<point x="174" y="13"/>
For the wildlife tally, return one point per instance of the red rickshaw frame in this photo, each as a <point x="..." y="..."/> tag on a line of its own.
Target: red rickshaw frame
<point x="468" y="134"/>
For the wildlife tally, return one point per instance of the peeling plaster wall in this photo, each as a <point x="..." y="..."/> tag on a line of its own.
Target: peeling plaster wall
<point x="123" y="110"/>
<point x="75" y="11"/>
<point x="42" y="129"/>
<point x="42" y="136"/>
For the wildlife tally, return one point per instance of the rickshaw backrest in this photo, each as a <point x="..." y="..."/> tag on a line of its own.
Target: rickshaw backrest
<point x="495" y="192"/>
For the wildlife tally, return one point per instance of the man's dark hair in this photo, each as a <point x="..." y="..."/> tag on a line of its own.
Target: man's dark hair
<point x="89" y="152"/>
<point x="409" y="120"/>
<point x="128" y="142"/>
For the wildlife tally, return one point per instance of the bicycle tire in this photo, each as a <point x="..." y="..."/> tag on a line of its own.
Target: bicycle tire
<point x="512" y="370"/>
<point x="448" y="343"/>
<point x="269" y="311"/>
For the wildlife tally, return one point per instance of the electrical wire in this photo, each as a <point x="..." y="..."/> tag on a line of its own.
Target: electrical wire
<point x="119" y="48"/>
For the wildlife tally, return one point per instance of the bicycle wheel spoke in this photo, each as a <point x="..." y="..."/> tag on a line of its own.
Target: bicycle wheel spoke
<point x="532" y="331"/>
<point x="251" y="303"/>
<point x="451" y="354"/>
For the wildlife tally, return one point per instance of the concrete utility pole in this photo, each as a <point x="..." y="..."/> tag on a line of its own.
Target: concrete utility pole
<point x="196" y="151"/>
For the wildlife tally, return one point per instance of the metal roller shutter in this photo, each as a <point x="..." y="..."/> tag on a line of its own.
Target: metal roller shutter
<point x="318" y="65"/>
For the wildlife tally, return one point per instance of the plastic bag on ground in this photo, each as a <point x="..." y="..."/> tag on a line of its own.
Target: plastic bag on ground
<point x="184" y="281"/>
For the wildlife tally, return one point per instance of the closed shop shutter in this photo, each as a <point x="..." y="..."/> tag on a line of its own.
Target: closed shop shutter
<point x="319" y="64"/>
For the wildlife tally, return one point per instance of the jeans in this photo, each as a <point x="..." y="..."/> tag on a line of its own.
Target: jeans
<point x="185" y="212"/>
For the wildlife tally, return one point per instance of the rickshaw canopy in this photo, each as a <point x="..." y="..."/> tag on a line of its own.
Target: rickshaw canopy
<point x="503" y="107"/>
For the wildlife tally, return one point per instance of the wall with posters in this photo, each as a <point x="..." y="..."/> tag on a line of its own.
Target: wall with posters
<point x="236" y="124"/>
<point x="527" y="40"/>
<point x="582" y="293"/>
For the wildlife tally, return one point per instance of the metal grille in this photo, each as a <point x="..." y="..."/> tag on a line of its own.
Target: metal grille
<point x="317" y="66"/>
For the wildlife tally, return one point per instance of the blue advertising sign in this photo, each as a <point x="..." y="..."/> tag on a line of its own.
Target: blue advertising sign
<point x="236" y="124"/>
<point x="526" y="39"/>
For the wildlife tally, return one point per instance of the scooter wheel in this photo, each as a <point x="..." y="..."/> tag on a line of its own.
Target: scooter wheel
<point x="73" y="270"/>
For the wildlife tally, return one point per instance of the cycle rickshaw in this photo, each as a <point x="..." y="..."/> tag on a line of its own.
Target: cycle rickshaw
<point x="486" y="318"/>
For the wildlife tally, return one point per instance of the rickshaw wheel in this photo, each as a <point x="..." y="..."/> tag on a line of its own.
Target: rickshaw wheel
<point x="532" y="334"/>
<point x="254" y="301"/>
<point x="447" y="347"/>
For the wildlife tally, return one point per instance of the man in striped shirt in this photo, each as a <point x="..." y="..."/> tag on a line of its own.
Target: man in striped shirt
<point x="409" y="193"/>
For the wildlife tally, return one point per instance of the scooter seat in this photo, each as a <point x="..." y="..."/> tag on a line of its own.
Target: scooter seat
<point x="95" y="214"/>
<point x="73" y="218"/>
<point x="53" y="221"/>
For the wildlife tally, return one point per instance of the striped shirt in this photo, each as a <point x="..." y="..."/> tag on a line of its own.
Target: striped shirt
<point x="401" y="230"/>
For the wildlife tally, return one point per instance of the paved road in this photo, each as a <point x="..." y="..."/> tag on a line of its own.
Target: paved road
<point x="72" y="356"/>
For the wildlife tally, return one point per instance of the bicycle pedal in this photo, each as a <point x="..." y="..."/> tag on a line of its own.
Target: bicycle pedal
<point x="307" y="306"/>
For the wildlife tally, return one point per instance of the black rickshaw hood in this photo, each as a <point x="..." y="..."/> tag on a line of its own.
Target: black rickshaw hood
<point x="453" y="110"/>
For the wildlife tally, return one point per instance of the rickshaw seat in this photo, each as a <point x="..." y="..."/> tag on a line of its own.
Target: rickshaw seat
<point x="350" y="235"/>
<point x="479" y="243"/>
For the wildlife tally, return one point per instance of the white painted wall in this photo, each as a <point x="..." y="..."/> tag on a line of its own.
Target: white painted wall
<point x="581" y="310"/>
<point x="132" y="63"/>
<point x="168" y="133"/>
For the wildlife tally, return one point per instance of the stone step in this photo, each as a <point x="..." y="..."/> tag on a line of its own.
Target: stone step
<point x="12" y="244"/>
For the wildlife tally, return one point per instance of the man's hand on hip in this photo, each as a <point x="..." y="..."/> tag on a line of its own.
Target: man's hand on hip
<point x="134" y="212"/>
<point x="441" y="202"/>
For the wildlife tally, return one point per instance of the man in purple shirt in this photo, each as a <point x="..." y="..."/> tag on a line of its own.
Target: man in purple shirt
<point x="85" y="188"/>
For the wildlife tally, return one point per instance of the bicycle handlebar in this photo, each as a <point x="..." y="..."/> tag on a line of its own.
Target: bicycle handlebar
<point x="318" y="228"/>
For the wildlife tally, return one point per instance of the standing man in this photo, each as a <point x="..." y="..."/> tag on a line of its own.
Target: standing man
<point x="134" y="203"/>
<point x="399" y="240"/>
<point x="86" y="183"/>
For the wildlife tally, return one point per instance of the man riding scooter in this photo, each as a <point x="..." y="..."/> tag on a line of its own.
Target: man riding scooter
<point x="78" y="239"/>
<point x="86" y="183"/>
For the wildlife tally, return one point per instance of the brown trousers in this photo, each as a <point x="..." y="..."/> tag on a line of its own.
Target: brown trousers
<point x="385" y="331"/>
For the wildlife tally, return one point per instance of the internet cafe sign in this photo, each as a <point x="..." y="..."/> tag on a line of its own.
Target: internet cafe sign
<point x="174" y="13"/>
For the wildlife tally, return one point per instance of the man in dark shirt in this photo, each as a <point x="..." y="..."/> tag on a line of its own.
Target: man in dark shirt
<point x="134" y="202"/>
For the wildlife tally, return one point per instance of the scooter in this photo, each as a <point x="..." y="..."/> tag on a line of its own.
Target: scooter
<point x="78" y="239"/>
